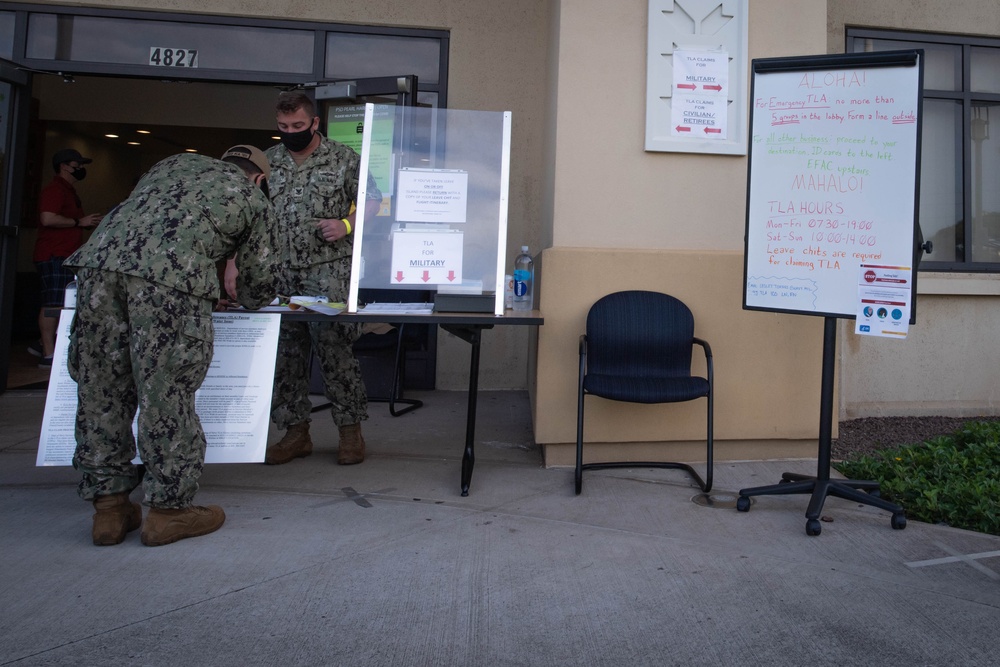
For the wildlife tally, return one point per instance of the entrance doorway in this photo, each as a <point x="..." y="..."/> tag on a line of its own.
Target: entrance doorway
<point x="128" y="125"/>
<point x="125" y="126"/>
<point x="90" y="72"/>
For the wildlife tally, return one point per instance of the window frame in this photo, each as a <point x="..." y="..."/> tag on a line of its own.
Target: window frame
<point x="968" y="99"/>
<point x="313" y="78"/>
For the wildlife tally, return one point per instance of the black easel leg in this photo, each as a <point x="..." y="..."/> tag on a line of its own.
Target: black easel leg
<point x="821" y="485"/>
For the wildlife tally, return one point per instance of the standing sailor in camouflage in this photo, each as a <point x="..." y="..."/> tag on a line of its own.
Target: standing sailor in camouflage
<point x="314" y="182"/>
<point x="142" y="334"/>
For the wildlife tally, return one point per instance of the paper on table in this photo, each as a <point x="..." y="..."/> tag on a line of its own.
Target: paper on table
<point x="317" y="304"/>
<point x="398" y="308"/>
<point x="326" y="307"/>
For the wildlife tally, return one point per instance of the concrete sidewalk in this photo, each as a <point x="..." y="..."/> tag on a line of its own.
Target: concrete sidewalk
<point x="386" y="564"/>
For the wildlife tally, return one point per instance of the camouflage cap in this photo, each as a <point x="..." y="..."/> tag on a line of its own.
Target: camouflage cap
<point x="251" y="153"/>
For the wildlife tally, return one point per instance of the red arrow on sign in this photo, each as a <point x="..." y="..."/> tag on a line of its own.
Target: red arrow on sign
<point x="713" y="130"/>
<point x="399" y="276"/>
<point x="681" y="128"/>
<point x="427" y="276"/>
<point x="687" y="86"/>
<point x="451" y="276"/>
<point x="715" y="87"/>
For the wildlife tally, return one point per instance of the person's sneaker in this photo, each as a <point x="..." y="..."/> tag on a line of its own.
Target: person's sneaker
<point x="352" y="445"/>
<point x="45" y="362"/>
<point x="295" y="444"/>
<point x="35" y="349"/>
<point x="115" y="516"/>
<point x="165" y="526"/>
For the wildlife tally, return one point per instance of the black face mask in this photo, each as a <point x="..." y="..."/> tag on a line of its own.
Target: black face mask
<point x="79" y="173"/>
<point x="296" y="141"/>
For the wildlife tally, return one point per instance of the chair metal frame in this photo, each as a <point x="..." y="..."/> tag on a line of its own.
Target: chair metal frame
<point x="396" y="391"/>
<point x="704" y="483"/>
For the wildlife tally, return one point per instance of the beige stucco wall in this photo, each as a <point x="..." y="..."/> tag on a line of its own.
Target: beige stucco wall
<point x="673" y="222"/>
<point x="767" y="365"/>
<point x="947" y="365"/>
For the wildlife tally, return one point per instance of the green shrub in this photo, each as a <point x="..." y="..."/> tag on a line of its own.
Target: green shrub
<point x="951" y="479"/>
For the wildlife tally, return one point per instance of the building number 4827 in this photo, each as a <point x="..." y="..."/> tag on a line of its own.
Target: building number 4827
<point x="160" y="56"/>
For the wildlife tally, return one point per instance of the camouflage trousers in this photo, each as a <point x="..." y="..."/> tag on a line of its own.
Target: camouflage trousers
<point x="138" y="345"/>
<point x="333" y="344"/>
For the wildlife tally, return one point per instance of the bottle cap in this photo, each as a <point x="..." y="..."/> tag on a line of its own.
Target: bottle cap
<point x="524" y="248"/>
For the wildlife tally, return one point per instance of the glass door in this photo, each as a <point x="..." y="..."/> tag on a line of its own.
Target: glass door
<point x="14" y="105"/>
<point x="342" y="108"/>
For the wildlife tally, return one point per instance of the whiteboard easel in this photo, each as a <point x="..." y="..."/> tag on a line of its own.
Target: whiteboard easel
<point x="834" y="157"/>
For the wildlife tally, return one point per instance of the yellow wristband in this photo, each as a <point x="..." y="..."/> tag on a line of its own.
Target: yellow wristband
<point x="347" y="224"/>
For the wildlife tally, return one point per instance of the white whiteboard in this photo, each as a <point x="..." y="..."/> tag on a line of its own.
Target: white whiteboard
<point x="832" y="177"/>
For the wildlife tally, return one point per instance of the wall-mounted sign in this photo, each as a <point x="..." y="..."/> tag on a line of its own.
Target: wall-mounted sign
<point x="701" y="94"/>
<point x="696" y="76"/>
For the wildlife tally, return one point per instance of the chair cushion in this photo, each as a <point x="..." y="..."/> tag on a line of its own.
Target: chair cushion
<point x="645" y="389"/>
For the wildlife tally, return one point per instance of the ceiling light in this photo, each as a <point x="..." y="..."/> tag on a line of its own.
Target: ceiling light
<point x="190" y="150"/>
<point x="143" y="131"/>
<point x="133" y="143"/>
<point x="111" y="136"/>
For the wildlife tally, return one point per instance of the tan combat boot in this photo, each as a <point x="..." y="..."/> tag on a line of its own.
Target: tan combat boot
<point x="164" y="526"/>
<point x="296" y="443"/>
<point x="352" y="445"/>
<point x="116" y="515"/>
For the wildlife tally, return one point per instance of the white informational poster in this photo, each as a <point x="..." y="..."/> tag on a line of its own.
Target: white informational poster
<point x="832" y="179"/>
<point x="700" y="102"/>
<point x="233" y="403"/>
<point x="432" y="195"/>
<point x="883" y="301"/>
<point x="427" y="257"/>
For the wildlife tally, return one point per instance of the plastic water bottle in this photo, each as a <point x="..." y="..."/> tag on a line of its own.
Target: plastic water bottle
<point x="524" y="281"/>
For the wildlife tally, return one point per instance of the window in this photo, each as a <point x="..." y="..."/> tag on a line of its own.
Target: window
<point x="355" y="56"/>
<point x="960" y="156"/>
<point x="125" y="41"/>
<point x="7" y="35"/>
<point x="196" y="47"/>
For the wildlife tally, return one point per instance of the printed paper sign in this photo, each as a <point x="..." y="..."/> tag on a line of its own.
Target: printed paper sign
<point x="432" y="195"/>
<point x="427" y="257"/>
<point x="700" y="100"/>
<point x="883" y="301"/>
<point x="233" y="403"/>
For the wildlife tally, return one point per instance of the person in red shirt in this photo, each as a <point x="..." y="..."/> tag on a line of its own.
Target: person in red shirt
<point x="60" y="233"/>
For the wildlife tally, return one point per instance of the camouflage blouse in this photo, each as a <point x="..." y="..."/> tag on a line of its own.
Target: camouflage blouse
<point x="187" y="213"/>
<point x="322" y="187"/>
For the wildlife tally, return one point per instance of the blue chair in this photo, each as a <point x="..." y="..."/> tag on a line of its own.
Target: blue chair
<point x="638" y="348"/>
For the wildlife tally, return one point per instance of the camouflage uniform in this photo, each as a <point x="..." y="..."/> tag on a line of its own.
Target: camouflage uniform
<point x="322" y="187"/>
<point x="142" y="334"/>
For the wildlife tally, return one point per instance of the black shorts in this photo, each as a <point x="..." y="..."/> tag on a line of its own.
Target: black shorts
<point x="54" y="280"/>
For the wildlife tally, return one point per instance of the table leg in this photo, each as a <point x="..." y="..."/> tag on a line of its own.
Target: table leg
<point x="472" y="335"/>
